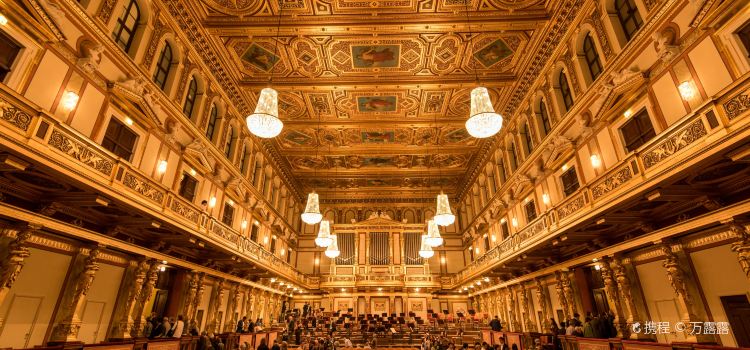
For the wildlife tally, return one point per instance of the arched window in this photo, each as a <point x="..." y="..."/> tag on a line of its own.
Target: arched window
<point x="258" y="172"/>
<point x="591" y="57"/>
<point x="528" y="143"/>
<point x="230" y="142"/>
<point x="243" y="161"/>
<point x="513" y="159"/>
<point x="544" y="118"/>
<point x="127" y="25"/>
<point x="163" y="66"/>
<point x="187" y="108"/>
<point x="630" y="19"/>
<point x="211" y="128"/>
<point x="567" y="95"/>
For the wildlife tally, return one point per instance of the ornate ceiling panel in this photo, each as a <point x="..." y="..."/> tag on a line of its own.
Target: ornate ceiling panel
<point x="374" y="94"/>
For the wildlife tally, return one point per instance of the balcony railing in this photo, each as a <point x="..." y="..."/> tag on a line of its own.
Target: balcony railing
<point x="32" y="127"/>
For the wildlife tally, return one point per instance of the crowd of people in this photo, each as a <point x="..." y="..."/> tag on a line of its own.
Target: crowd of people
<point x="593" y="326"/>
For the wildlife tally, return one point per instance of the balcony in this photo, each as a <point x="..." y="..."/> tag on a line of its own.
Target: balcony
<point x="704" y="136"/>
<point x="64" y="154"/>
<point x="412" y="276"/>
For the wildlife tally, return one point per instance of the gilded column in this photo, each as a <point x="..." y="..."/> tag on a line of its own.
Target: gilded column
<point x="513" y="320"/>
<point x="742" y="246"/>
<point x="684" y="287"/>
<point x="12" y="263"/>
<point x="526" y="311"/>
<point x="625" y="288"/>
<point x="569" y="296"/>
<point x="544" y="304"/>
<point x="231" y="317"/>
<point x="124" y="322"/>
<point x="613" y="297"/>
<point x="560" y="289"/>
<point x="146" y="291"/>
<point x="70" y="309"/>
<point x="214" y="307"/>
<point x="187" y="305"/>
<point x="200" y="289"/>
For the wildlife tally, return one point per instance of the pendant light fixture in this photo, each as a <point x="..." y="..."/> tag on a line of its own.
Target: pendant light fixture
<point x="265" y="122"/>
<point x="425" y="251"/>
<point x="333" y="249"/>
<point x="433" y="234"/>
<point x="443" y="214"/>
<point x="312" y="215"/>
<point x="324" y="239"/>
<point x="483" y="122"/>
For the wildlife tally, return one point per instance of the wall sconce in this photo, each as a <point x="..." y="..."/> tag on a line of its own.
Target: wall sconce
<point x="273" y="280"/>
<point x="494" y="238"/>
<point x="230" y="202"/>
<point x="129" y="121"/>
<point x="317" y="261"/>
<point x="476" y="250"/>
<point x="3" y="20"/>
<point x="627" y="114"/>
<point x="283" y="252"/>
<point x="343" y="290"/>
<point x="514" y="222"/>
<point x="256" y="223"/>
<point x="161" y="168"/>
<point x="486" y="279"/>
<point x="597" y="267"/>
<point x="564" y="167"/>
<point x="596" y="162"/>
<point x="442" y="260"/>
<point x="69" y="100"/>
<point x="380" y="289"/>
<point x="545" y="199"/>
<point x="265" y="240"/>
<point x="243" y="225"/>
<point x="192" y="172"/>
<point x="687" y="90"/>
<point x="212" y="202"/>
<point x="503" y="220"/>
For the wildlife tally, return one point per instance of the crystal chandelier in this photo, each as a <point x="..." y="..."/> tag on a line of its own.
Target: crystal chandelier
<point x="444" y="216"/>
<point x="426" y="251"/>
<point x="333" y="249"/>
<point x="433" y="234"/>
<point x="265" y="121"/>
<point x="312" y="215"/>
<point x="324" y="235"/>
<point x="483" y="121"/>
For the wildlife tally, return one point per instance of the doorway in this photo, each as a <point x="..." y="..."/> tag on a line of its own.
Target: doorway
<point x="19" y="322"/>
<point x="738" y="314"/>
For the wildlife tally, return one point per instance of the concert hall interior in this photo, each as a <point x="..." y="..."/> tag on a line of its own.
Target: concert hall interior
<point x="402" y="174"/>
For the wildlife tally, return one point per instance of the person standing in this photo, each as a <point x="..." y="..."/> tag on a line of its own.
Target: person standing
<point x="241" y="325"/>
<point x="496" y="325"/>
<point x="178" y="328"/>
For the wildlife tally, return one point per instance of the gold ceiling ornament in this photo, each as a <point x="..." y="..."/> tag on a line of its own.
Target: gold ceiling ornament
<point x="333" y="249"/>
<point x="265" y="122"/>
<point x="443" y="215"/>
<point x="324" y="239"/>
<point x="425" y="251"/>
<point x="483" y="122"/>
<point x="433" y="234"/>
<point x="312" y="214"/>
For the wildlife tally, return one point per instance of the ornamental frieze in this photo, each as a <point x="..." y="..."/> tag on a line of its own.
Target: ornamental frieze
<point x="612" y="182"/>
<point x="678" y="141"/>
<point x="81" y="152"/>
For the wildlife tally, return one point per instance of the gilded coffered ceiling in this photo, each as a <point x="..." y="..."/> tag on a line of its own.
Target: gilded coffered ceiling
<point x="374" y="94"/>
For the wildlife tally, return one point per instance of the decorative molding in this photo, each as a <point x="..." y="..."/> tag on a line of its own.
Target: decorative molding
<point x="80" y="152"/>
<point x="686" y="136"/>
